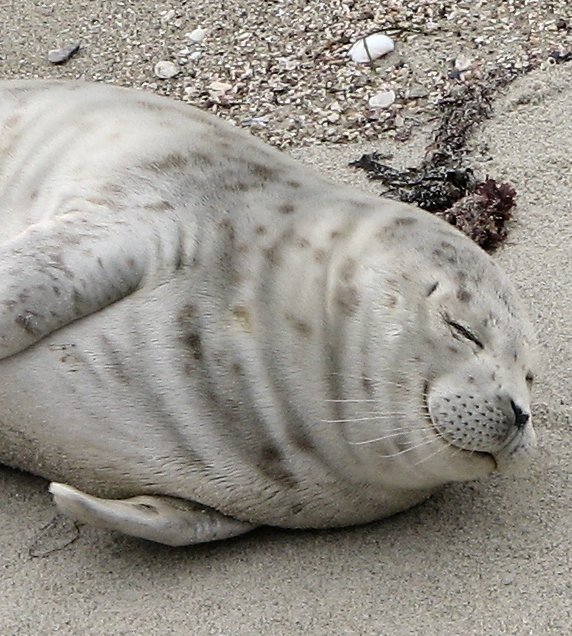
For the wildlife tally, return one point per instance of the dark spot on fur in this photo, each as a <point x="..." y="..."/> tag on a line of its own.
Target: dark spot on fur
<point x="262" y="171"/>
<point x="358" y="204"/>
<point x="77" y="302"/>
<point x="390" y="301"/>
<point x="348" y="270"/>
<point x="348" y="299"/>
<point x="114" y="188"/>
<point x="203" y="158"/>
<point x="260" y="229"/>
<point x="243" y="317"/>
<point x="193" y="341"/>
<point x="302" y="327"/>
<point x="302" y="441"/>
<point x="172" y="161"/>
<point x="286" y="208"/>
<point x="187" y="320"/>
<point x="334" y="234"/>
<point x="272" y="465"/>
<point x="384" y="235"/>
<point x="453" y="349"/>
<point x="149" y="106"/>
<point x="367" y="385"/>
<point x="319" y="255"/>
<point x="405" y="220"/>
<point x="237" y="368"/>
<point x="271" y="254"/>
<point x="293" y="184"/>
<point x="302" y="242"/>
<point x="159" y="206"/>
<point x="226" y="225"/>
<point x="446" y="252"/>
<point x="102" y="201"/>
<point x="463" y="295"/>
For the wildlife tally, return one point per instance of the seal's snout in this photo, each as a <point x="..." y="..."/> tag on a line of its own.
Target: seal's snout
<point x="520" y="417"/>
<point x="478" y="422"/>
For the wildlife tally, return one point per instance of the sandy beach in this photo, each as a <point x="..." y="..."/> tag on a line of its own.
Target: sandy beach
<point x="488" y="557"/>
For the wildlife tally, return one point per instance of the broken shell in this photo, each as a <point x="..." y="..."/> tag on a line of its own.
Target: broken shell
<point x="166" y="70"/>
<point x="371" y="47"/>
<point x="382" y="100"/>
<point x="59" y="56"/>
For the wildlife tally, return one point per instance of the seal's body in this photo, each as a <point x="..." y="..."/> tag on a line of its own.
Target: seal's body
<point x="192" y="319"/>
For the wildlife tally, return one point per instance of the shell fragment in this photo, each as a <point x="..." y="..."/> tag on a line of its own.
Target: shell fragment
<point x="370" y="48"/>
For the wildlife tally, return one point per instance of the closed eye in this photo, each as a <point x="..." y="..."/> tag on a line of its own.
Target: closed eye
<point x="464" y="332"/>
<point x="530" y="379"/>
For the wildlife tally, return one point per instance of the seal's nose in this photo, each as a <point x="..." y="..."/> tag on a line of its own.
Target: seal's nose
<point x="520" y="417"/>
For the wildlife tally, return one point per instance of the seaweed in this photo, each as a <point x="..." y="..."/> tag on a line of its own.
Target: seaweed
<point x="442" y="183"/>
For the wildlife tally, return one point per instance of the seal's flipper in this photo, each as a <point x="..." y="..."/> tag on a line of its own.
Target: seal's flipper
<point x="72" y="265"/>
<point x="163" y="519"/>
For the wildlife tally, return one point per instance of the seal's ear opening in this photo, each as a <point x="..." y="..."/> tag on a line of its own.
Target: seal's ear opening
<point x="167" y="520"/>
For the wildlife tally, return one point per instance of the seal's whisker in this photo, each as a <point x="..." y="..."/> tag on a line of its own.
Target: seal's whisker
<point x="396" y="433"/>
<point x="352" y="400"/>
<point x="372" y="418"/>
<point x="439" y="450"/>
<point x="426" y="442"/>
<point x="447" y="445"/>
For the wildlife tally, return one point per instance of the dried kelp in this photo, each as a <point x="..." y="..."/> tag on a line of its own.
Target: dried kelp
<point x="442" y="183"/>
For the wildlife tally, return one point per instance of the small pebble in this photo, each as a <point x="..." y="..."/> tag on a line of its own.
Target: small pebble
<point x="463" y="63"/>
<point x="168" y="16"/>
<point x="166" y="70"/>
<point x="384" y="99"/>
<point x="219" y="87"/>
<point x="371" y="48"/>
<point x="59" y="56"/>
<point x="196" y="36"/>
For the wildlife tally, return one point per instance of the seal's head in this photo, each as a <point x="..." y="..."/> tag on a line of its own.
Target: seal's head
<point x="447" y="355"/>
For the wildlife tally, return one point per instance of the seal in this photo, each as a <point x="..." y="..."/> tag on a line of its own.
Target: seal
<point x="199" y="335"/>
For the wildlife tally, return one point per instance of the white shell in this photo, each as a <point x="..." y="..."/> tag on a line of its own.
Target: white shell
<point x="166" y="70"/>
<point x="198" y="35"/>
<point x="377" y="44"/>
<point x="384" y="99"/>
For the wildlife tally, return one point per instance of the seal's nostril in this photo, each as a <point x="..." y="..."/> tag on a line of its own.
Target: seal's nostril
<point x="520" y="417"/>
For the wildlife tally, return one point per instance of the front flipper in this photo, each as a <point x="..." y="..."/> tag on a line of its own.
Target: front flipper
<point x="75" y="264"/>
<point x="166" y="520"/>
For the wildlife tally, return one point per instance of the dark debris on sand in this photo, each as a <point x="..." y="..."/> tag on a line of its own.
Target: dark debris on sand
<point x="442" y="183"/>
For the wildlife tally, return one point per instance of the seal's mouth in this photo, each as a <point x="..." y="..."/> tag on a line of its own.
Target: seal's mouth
<point x="488" y="457"/>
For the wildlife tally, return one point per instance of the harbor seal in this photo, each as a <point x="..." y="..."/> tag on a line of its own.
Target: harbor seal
<point x="199" y="335"/>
